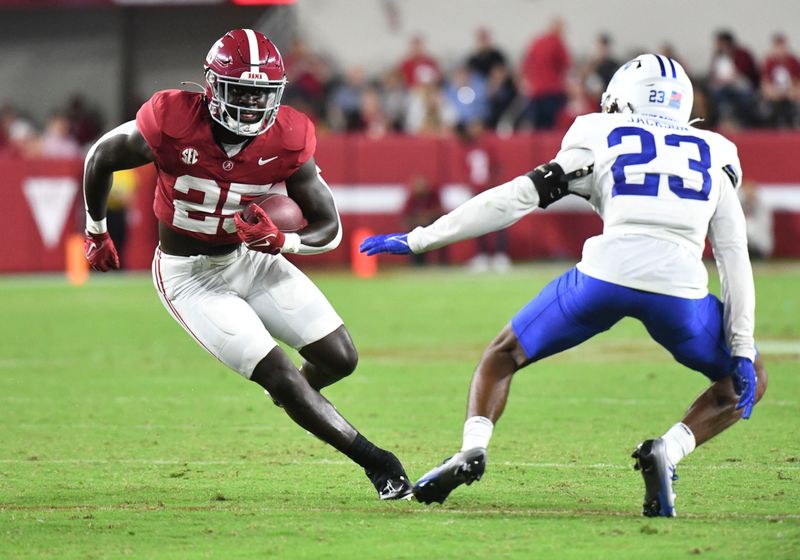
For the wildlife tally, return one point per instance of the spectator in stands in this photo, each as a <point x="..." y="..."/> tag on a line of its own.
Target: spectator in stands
<point x="481" y="172"/>
<point x="374" y="120"/>
<point x="668" y="50"/>
<point x="21" y="136"/>
<point x="702" y="108"/>
<point x="733" y="81"/>
<point x="428" y="112"/>
<point x="85" y="124"/>
<point x="579" y="102"/>
<point x="466" y="94"/>
<point x="543" y="75"/>
<point x="394" y="99"/>
<point x="760" y="234"/>
<point x="780" y="84"/>
<point x="419" y="67"/>
<point x="600" y="69"/>
<point x="486" y="55"/>
<point x="501" y="93"/>
<point x="422" y="207"/>
<point x="491" y="64"/>
<point x="345" y="102"/>
<point x="56" y="141"/>
<point x="308" y="76"/>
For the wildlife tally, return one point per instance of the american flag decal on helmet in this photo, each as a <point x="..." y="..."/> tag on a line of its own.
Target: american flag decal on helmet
<point x="675" y="99"/>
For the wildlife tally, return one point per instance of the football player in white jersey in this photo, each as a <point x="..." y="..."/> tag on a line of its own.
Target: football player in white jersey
<point x="660" y="186"/>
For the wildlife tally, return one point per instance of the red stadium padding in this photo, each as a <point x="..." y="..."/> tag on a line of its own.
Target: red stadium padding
<point x="44" y="203"/>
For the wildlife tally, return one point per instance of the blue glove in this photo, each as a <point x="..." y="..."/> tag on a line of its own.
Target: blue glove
<point x="744" y="383"/>
<point x="394" y="243"/>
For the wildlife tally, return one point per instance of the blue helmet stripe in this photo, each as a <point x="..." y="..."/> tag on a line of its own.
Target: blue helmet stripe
<point x="663" y="68"/>
<point x="672" y="65"/>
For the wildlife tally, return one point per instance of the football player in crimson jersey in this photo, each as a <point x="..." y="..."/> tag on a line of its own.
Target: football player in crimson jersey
<point x="222" y="278"/>
<point x="661" y="186"/>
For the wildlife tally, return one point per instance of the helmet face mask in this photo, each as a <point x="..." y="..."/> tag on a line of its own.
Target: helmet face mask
<point x="653" y="85"/>
<point x="245" y="79"/>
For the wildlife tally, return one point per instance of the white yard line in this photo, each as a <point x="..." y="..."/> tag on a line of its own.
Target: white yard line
<point x="515" y="464"/>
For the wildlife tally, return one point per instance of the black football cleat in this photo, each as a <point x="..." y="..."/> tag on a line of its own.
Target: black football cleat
<point x="658" y="475"/>
<point x="464" y="467"/>
<point x="391" y="483"/>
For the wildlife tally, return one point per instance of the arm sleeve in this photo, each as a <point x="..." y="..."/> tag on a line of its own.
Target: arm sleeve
<point x="491" y="210"/>
<point x="728" y="235"/>
<point x="576" y="154"/>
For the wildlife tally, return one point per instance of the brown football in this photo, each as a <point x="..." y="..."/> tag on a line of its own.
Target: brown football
<point x="282" y="210"/>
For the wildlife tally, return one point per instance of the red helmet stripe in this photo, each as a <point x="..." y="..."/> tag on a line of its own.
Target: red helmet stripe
<point x="252" y="44"/>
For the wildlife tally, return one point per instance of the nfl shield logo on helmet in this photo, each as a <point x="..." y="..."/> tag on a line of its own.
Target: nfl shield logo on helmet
<point x="189" y="156"/>
<point x="675" y="100"/>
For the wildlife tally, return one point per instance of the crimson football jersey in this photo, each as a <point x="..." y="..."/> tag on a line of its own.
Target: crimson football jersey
<point x="199" y="187"/>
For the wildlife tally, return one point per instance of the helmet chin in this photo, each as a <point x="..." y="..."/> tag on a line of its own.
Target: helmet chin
<point x="240" y="128"/>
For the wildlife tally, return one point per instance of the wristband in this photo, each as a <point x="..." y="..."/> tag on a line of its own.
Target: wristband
<point x="291" y="243"/>
<point x="95" y="226"/>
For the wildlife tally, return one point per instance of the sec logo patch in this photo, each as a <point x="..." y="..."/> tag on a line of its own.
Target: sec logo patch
<point x="189" y="156"/>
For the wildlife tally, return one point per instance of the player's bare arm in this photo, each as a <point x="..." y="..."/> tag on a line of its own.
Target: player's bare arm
<point x="306" y="187"/>
<point x="323" y="231"/>
<point x="121" y="148"/>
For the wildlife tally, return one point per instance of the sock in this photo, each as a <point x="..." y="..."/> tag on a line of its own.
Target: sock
<point x="679" y="441"/>
<point x="366" y="454"/>
<point x="477" y="432"/>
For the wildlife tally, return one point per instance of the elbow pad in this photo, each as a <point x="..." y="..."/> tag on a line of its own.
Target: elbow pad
<point x="552" y="183"/>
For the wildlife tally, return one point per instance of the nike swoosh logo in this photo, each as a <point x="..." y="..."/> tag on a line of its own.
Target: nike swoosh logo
<point x="262" y="161"/>
<point x="265" y="241"/>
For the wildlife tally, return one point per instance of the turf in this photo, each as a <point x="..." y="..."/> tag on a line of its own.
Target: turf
<point x="122" y="438"/>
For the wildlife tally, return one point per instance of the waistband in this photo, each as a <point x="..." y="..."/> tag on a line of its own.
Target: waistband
<point x="204" y="261"/>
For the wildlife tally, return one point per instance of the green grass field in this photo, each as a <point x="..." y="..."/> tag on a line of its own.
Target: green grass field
<point x="122" y="438"/>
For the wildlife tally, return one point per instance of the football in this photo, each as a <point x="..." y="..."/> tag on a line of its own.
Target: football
<point x="282" y="210"/>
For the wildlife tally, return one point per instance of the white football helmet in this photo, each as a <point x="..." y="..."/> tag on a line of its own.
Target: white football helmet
<point x="650" y="84"/>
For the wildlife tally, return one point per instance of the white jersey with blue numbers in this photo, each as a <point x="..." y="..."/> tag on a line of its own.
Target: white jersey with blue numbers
<point x="661" y="188"/>
<point x="657" y="185"/>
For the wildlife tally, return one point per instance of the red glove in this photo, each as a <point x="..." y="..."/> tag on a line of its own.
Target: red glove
<point x="100" y="251"/>
<point x="260" y="234"/>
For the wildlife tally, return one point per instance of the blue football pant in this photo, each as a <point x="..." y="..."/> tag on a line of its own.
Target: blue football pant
<point x="574" y="307"/>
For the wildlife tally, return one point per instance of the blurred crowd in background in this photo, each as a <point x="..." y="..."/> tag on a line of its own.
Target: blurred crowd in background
<point x="546" y="90"/>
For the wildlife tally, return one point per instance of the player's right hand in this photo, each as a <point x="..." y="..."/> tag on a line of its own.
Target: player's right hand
<point x="744" y="383"/>
<point x="100" y="251"/>
<point x="393" y="243"/>
<point x="261" y="234"/>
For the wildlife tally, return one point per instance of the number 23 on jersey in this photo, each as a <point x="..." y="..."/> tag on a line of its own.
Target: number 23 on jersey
<point x="676" y="146"/>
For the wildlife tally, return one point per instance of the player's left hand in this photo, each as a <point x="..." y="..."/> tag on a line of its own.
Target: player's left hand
<point x="393" y="243"/>
<point x="261" y="234"/>
<point x="744" y="383"/>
